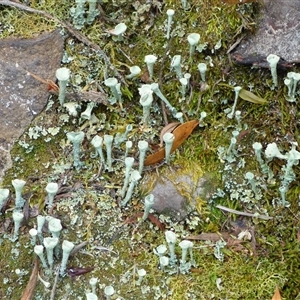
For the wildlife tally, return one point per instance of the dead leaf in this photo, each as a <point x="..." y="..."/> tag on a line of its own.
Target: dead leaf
<point x="210" y="236"/>
<point x="168" y="128"/>
<point x="29" y="290"/>
<point x="151" y="217"/>
<point x="181" y="133"/>
<point x="276" y="295"/>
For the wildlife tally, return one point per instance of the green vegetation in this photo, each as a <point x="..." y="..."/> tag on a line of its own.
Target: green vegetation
<point x="89" y="207"/>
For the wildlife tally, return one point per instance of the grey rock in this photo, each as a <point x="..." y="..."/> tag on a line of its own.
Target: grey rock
<point x="22" y="97"/>
<point x="177" y="198"/>
<point x="278" y="33"/>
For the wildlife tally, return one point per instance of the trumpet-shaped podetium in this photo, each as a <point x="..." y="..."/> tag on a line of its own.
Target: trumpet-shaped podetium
<point x="143" y="147"/>
<point x="91" y="296"/>
<point x="184" y="84"/>
<point x="168" y="138"/>
<point x="149" y="201"/>
<point x="176" y="65"/>
<point x="63" y="76"/>
<point x="193" y="39"/>
<point x="33" y="234"/>
<point x="141" y="274"/>
<point x="150" y="60"/>
<point x="185" y="245"/>
<point x="115" y="89"/>
<point x="291" y="82"/>
<point x="39" y="251"/>
<point x="179" y="117"/>
<point x="273" y="60"/>
<point x="170" y="14"/>
<point x="51" y="189"/>
<point x="128" y="166"/>
<point x="67" y="247"/>
<point x="76" y="139"/>
<point x="18" y="185"/>
<point x="293" y="157"/>
<point x="134" y="71"/>
<point x="160" y="250"/>
<point x="146" y="100"/>
<point x="86" y="115"/>
<point x="163" y="262"/>
<point x="134" y="178"/>
<point x="18" y="218"/>
<point x="128" y="146"/>
<point x="4" y="193"/>
<point x="108" y="292"/>
<point x="97" y="142"/>
<point x="237" y="90"/>
<point x="171" y="240"/>
<point x="93" y="282"/>
<point x="108" y="140"/>
<point x="202" y="67"/>
<point x="50" y="243"/>
<point x="118" y="31"/>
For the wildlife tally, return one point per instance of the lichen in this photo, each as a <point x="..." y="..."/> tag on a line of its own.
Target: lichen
<point x="90" y="209"/>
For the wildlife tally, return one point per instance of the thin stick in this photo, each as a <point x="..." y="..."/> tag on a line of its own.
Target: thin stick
<point x="243" y="213"/>
<point x="73" y="31"/>
<point x="52" y="296"/>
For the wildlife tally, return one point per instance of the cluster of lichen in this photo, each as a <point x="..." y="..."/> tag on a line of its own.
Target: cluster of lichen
<point x="94" y="202"/>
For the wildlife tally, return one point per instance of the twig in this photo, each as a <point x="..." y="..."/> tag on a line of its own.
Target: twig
<point x="69" y="27"/>
<point x="243" y="213"/>
<point x="52" y="296"/>
<point x="28" y="292"/>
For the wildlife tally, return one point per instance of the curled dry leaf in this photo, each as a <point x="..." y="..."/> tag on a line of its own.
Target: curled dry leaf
<point x="181" y="133"/>
<point x="168" y="128"/>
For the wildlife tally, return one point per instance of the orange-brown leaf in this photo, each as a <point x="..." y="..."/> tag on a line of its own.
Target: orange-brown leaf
<point x="276" y="295"/>
<point x="181" y="133"/>
<point x="168" y="128"/>
<point x="151" y="217"/>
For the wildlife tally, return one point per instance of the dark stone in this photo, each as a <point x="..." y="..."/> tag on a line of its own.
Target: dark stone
<point x="278" y="33"/>
<point x="22" y="97"/>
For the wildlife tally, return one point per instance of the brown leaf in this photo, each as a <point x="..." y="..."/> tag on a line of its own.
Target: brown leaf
<point x="168" y="128"/>
<point x="29" y="290"/>
<point x="151" y="217"/>
<point x="210" y="236"/>
<point x="181" y="133"/>
<point x="276" y="295"/>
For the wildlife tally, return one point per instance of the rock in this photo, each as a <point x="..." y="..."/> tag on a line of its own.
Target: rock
<point x="22" y="97"/>
<point x="278" y="33"/>
<point x="178" y="194"/>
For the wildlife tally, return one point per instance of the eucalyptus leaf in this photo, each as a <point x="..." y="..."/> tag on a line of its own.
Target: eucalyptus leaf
<point x="246" y="95"/>
<point x="249" y="96"/>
